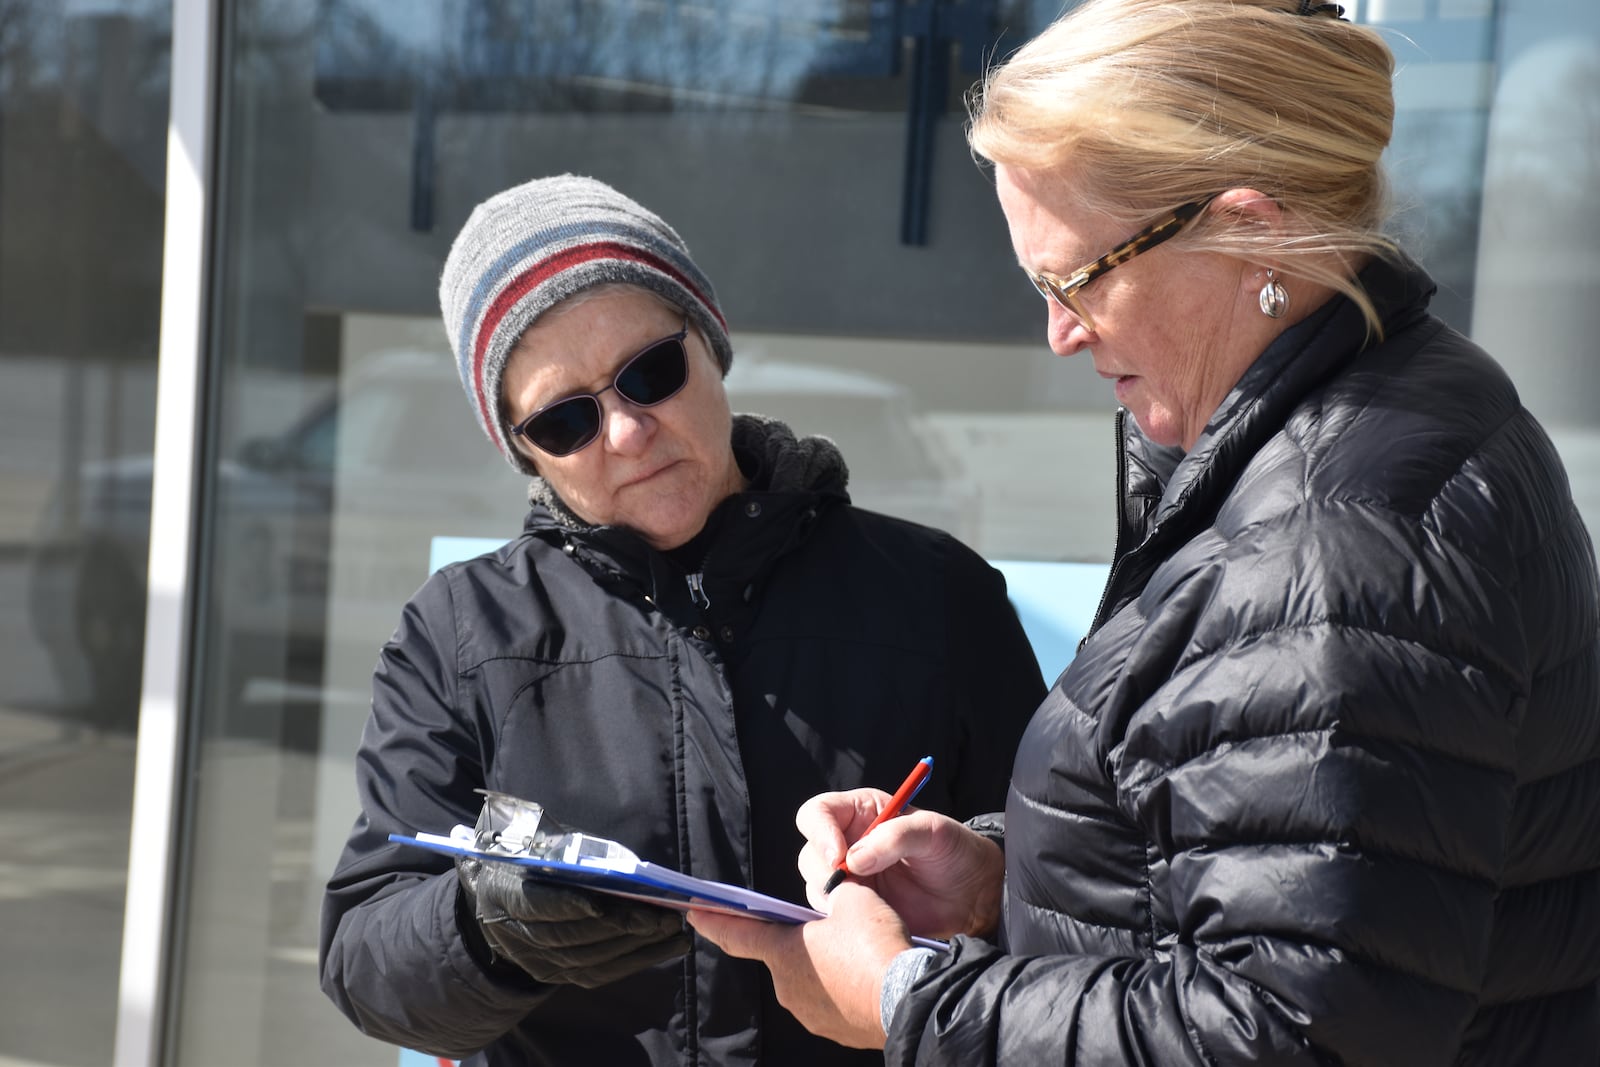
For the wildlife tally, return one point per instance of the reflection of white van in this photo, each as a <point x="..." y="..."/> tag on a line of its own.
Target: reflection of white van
<point x="323" y="529"/>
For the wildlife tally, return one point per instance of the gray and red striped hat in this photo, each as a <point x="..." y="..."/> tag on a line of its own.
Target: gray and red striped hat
<point x="526" y="249"/>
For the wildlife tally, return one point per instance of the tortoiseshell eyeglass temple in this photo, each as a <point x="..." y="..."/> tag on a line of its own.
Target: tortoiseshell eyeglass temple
<point x="1064" y="291"/>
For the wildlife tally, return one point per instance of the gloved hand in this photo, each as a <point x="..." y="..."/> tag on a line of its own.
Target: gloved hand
<point x="567" y="936"/>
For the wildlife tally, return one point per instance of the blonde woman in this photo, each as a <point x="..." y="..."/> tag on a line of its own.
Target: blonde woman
<point x="1323" y="785"/>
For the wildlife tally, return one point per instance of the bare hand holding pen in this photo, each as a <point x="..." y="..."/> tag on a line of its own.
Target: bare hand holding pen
<point x="939" y="876"/>
<point x="895" y="805"/>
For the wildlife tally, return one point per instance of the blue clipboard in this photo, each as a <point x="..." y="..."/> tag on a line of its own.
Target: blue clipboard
<point x="641" y="880"/>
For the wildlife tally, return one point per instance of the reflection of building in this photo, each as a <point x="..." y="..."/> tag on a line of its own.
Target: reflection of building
<point x="311" y="207"/>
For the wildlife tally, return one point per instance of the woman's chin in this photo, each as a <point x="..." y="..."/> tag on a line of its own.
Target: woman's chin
<point x="1157" y="425"/>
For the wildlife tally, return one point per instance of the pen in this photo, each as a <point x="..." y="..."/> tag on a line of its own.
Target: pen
<point x="897" y="803"/>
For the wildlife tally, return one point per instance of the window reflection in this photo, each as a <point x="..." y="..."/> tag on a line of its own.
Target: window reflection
<point x="773" y="135"/>
<point x="361" y="131"/>
<point x="83" y="106"/>
<point x="614" y="55"/>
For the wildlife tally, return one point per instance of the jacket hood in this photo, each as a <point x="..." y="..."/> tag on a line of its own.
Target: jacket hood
<point x="769" y="454"/>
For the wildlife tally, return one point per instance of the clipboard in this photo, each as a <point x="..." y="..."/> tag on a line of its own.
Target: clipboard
<point x="628" y="876"/>
<point x="614" y="870"/>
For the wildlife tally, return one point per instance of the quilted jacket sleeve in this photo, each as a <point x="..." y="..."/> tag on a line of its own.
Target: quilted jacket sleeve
<point x="393" y="958"/>
<point x="1323" y="764"/>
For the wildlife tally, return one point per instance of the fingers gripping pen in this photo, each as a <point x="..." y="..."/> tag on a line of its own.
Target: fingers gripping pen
<point x="897" y="804"/>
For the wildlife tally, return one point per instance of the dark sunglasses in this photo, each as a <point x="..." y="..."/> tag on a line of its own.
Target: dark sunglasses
<point x="653" y="376"/>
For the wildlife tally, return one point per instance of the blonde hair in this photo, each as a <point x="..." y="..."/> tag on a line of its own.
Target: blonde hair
<point x="1154" y="103"/>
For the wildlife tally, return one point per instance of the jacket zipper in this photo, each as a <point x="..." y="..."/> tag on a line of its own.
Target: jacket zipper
<point x="697" y="590"/>
<point x="1122" y="523"/>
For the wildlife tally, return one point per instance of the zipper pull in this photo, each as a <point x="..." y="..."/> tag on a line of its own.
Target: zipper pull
<point x="697" y="591"/>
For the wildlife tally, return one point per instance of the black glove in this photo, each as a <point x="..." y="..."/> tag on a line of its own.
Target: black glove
<point x="566" y="936"/>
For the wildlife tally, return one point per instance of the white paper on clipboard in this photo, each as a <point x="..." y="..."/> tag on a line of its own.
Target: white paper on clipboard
<point x="620" y="873"/>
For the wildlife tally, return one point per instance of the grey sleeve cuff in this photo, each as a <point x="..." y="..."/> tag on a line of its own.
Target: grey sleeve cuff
<point x="992" y="826"/>
<point x="903" y="972"/>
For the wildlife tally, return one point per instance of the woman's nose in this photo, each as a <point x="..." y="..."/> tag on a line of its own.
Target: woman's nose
<point x="1066" y="333"/>
<point x="627" y="428"/>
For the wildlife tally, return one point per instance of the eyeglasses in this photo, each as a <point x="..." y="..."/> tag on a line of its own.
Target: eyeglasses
<point x="1064" y="291"/>
<point x="653" y="376"/>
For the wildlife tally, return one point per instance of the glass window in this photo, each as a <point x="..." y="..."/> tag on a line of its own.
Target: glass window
<point x="83" y="115"/>
<point x="812" y="156"/>
<point x="1494" y="168"/>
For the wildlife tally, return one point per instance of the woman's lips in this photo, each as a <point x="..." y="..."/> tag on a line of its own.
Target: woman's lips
<point x="647" y="475"/>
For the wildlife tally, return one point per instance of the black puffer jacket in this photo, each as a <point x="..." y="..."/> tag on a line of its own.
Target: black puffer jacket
<point x="1323" y="786"/>
<point x="576" y="668"/>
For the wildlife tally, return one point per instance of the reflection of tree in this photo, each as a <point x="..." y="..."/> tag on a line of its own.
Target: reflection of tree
<point x="268" y="174"/>
<point x="638" y="56"/>
<point x="16" y="31"/>
<point x="83" y="115"/>
<point x="585" y="55"/>
<point x="83" y="102"/>
<point x="360" y="52"/>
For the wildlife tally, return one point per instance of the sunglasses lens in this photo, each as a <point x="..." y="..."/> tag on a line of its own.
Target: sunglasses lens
<point x="565" y="427"/>
<point x="656" y="374"/>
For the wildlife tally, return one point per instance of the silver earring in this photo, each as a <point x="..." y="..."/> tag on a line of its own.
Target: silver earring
<point x="1274" y="297"/>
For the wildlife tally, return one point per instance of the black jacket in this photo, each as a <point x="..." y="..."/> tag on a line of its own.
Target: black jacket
<point x="1323" y="786"/>
<point x="577" y="668"/>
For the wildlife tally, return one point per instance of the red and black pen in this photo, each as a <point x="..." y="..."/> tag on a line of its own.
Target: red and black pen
<point x="897" y="803"/>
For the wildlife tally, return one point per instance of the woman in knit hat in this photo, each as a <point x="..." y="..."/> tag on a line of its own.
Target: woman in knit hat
<point x="694" y="633"/>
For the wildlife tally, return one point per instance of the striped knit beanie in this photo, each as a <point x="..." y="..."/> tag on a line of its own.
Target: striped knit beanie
<point x="528" y="248"/>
